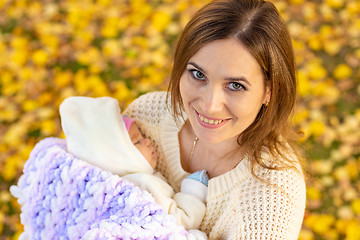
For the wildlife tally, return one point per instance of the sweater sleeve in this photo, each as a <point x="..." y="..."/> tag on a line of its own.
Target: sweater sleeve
<point x="278" y="210"/>
<point x="148" y="109"/>
<point x="263" y="211"/>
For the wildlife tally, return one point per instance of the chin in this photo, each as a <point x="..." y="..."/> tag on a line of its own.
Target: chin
<point x="211" y="138"/>
<point x="218" y="138"/>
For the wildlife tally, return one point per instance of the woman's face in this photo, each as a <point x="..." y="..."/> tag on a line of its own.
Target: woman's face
<point x="222" y="89"/>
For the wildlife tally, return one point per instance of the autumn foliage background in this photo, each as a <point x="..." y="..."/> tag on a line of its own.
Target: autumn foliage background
<point x="50" y="50"/>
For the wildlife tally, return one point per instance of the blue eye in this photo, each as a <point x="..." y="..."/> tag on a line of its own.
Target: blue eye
<point x="197" y="74"/>
<point x="235" y="86"/>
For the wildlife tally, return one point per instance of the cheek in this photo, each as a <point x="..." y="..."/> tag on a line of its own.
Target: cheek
<point x="184" y="88"/>
<point x="246" y="108"/>
<point x="182" y="81"/>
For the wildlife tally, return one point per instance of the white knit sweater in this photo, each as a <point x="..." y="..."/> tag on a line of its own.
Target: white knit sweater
<point x="238" y="205"/>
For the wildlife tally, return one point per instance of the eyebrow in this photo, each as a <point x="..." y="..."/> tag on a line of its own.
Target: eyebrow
<point x="236" y="79"/>
<point x="197" y="66"/>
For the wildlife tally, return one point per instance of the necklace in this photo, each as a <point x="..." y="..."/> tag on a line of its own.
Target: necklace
<point x="192" y="151"/>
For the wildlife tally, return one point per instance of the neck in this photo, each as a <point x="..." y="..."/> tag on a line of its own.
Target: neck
<point x="216" y="158"/>
<point x="217" y="150"/>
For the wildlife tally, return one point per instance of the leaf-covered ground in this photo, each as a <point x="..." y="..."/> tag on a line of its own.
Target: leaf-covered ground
<point x="50" y="50"/>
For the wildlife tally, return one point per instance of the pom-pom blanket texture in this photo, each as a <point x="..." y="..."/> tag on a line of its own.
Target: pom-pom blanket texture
<point x="63" y="197"/>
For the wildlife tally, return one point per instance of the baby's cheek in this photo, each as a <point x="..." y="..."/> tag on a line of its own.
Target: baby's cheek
<point x="154" y="159"/>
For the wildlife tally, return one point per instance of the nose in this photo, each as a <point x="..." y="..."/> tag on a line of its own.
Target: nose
<point x="212" y="99"/>
<point x="147" y="141"/>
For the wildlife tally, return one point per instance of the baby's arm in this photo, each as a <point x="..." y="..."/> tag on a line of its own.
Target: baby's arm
<point x="193" y="188"/>
<point x="187" y="208"/>
<point x="196" y="184"/>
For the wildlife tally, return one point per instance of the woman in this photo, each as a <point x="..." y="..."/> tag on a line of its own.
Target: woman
<point x="232" y="92"/>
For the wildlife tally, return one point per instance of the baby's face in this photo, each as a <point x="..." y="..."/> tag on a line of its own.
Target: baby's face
<point x="143" y="144"/>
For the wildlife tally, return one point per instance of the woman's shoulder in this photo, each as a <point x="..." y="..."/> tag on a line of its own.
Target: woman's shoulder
<point x="288" y="179"/>
<point x="157" y="98"/>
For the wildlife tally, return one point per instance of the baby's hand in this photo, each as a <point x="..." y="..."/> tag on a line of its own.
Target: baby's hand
<point x="196" y="184"/>
<point x="200" y="176"/>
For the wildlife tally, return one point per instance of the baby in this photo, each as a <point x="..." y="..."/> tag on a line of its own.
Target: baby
<point x="97" y="133"/>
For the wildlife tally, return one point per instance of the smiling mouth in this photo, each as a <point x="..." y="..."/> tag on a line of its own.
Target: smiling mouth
<point x="209" y="121"/>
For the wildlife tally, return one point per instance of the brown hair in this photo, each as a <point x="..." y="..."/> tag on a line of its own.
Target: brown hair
<point x="258" y="26"/>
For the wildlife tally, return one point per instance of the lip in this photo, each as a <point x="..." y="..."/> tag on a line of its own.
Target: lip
<point x="208" y="125"/>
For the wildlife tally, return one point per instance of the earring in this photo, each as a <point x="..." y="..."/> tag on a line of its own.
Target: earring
<point x="266" y="103"/>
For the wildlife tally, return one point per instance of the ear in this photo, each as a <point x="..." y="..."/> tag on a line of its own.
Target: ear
<point x="267" y="97"/>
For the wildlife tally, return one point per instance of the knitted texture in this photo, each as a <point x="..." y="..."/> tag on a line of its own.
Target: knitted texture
<point x="239" y="206"/>
<point x="62" y="197"/>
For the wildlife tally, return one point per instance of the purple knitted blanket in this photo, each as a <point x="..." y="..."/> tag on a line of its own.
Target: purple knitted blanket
<point x="62" y="197"/>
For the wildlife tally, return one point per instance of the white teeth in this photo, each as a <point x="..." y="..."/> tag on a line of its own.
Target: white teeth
<point x="213" y="122"/>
